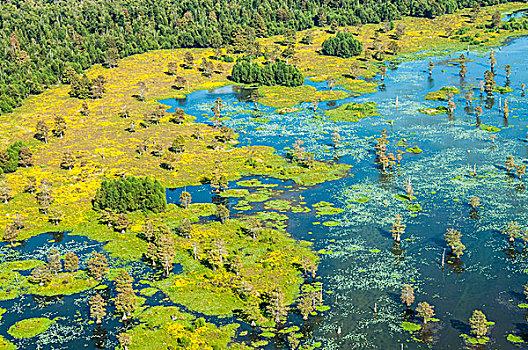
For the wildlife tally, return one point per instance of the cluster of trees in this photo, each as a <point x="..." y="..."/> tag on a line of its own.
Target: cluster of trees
<point x="16" y="155"/>
<point x="276" y="73"/>
<point x="102" y="31"/>
<point x="516" y="24"/>
<point x="342" y="45"/>
<point x="82" y="87"/>
<point x="130" y="194"/>
<point x="300" y="156"/>
<point x="478" y="323"/>
<point x="43" y="130"/>
<point x="386" y="159"/>
<point x="44" y="273"/>
<point x="160" y="250"/>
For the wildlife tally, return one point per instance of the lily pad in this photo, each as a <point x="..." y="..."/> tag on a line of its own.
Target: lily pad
<point x="414" y="150"/>
<point x="331" y="223"/>
<point x="514" y="338"/>
<point x="410" y="327"/>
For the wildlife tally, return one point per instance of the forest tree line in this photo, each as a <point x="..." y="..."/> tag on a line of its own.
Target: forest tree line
<point x="42" y="38"/>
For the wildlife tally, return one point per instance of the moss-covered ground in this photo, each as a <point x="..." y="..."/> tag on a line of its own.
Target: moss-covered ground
<point x="30" y="327"/>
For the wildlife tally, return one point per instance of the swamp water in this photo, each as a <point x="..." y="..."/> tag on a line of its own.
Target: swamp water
<point x="359" y="266"/>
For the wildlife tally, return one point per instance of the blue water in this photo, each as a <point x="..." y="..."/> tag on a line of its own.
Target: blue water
<point x="363" y="268"/>
<point x="360" y="266"/>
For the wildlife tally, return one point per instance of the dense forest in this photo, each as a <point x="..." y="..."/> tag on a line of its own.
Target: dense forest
<point x="277" y="73"/>
<point x="130" y="194"/>
<point x="41" y="38"/>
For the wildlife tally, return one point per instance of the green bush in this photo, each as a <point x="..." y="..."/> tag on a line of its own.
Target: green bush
<point x="342" y="45"/>
<point x="277" y="73"/>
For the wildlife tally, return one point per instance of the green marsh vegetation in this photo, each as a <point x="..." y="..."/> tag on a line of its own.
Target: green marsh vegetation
<point x="96" y="131"/>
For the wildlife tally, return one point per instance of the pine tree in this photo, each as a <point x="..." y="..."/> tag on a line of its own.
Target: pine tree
<point x="71" y="262"/>
<point x="97" y="308"/>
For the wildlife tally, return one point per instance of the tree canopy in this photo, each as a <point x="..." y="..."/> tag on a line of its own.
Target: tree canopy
<point x="342" y="45"/>
<point x="277" y="73"/>
<point x="43" y="38"/>
<point x="130" y="194"/>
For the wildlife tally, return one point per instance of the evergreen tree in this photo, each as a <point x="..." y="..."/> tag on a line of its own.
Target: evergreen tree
<point x="343" y="45"/>
<point x="130" y="194"/>
<point x="81" y="87"/>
